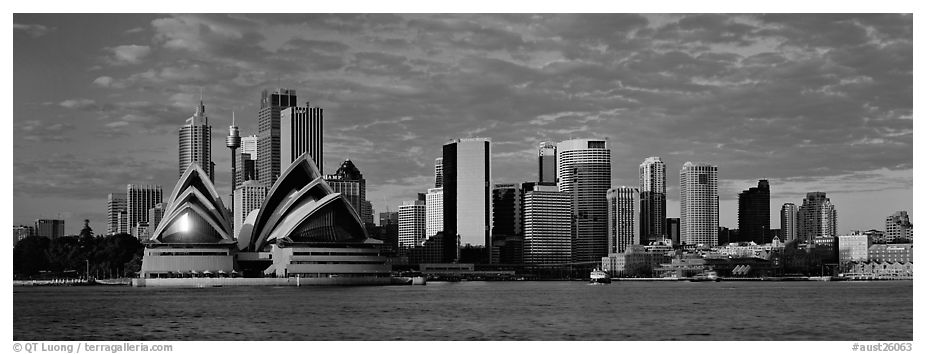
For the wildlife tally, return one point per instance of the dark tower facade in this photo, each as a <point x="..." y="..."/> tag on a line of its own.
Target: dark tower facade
<point x="268" y="132"/>
<point x="754" y="214"/>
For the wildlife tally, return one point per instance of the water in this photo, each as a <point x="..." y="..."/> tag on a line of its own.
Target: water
<point x="857" y="311"/>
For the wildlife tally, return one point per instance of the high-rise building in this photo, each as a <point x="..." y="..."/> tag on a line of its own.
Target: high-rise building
<point x="853" y="248"/>
<point x="755" y="214"/>
<point x="673" y="230"/>
<point x="233" y="141"/>
<point x="388" y="218"/>
<point x="155" y="214"/>
<point x="22" y="231"/>
<point x="51" y="228"/>
<point x="348" y="181"/>
<point x="788" y="222"/>
<point x="301" y="131"/>
<point x="248" y="197"/>
<point x="439" y="172"/>
<point x="546" y="163"/>
<point x="140" y="198"/>
<point x="412" y="224"/>
<point x="584" y="173"/>
<point x="434" y="211"/>
<point x="700" y="205"/>
<point x="367" y="214"/>
<point x="506" y="217"/>
<point x="547" y="216"/>
<point x="123" y="221"/>
<point x="196" y="143"/>
<point x="115" y="204"/>
<point x="652" y="199"/>
<point x="816" y="218"/>
<point x="898" y="228"/>
<point x="247" y="158"/>
<point x="467" y="175"/>
<point x="623" y="216"/>
<point x="268" y="133"/>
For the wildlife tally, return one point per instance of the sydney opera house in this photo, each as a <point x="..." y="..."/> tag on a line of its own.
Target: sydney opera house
<point x="303" y="231"/>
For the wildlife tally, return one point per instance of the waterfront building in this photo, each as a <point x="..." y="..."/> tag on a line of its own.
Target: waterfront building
<point x="194" y="236"/>
<point x="466" y="166"/>
<point x="547" y="213"/>
<point x="635" y="261"/>
<point x="248" y="197"/>
<point x="546" y="163"/>
<point x="115" y="205"/>
<point x="754" y="214"/>
<point x="700" y="206"/>
<point x="439" y="172"/>
<point x="672" y="230"/>
<point x="196" y="143"/>
<point x="788" y="222"/>
<point x="623" y="216"/>
<point x="853" y="248"/>
<point x="412" y="223"/>
<point x="816" y="217"/>
<point x="268" y="132"/>
<point x="310" y="232"/>
<point x="894" y="253"/>
<point x="22" y="231"/>
<point x="879" y="270"/>
<point x="155" y="214"/>
<point x="140" y="198"/>
<point x="301" y="131"/>
<point x="652" y="199"/>
<point x="897" y="228"/>
<point x="50" y="228"/>
<point x="348" y="181"/>
<point x="584" y="174"/>
<point x="434" y="211"/>
<point x="246" y="160"/>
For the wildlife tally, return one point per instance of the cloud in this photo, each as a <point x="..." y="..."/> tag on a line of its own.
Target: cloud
<point x="33" y="30"/>
<point x="42" y="131"/>
<point x="129" y="54"/>
<point x="79" y="103"/>
<point x="104" y="81"/>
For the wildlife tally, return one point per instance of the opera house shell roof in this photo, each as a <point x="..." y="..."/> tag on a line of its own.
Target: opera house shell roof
<point x="301" y="208"/>
<point x="194" y="214"/>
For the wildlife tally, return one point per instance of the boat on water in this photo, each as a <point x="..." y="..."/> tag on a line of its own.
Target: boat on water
<point x="706" y="276"/>
<point x="598" y="276"/>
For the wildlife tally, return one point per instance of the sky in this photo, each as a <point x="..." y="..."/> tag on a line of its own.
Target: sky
<point x="812" y="102"/>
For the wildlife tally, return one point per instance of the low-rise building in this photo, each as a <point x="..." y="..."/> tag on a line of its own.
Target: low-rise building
<point x="636" y="261"/>
<point x="897" y="252"/>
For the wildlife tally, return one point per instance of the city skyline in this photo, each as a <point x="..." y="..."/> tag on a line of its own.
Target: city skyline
<point x="397" y="87"/>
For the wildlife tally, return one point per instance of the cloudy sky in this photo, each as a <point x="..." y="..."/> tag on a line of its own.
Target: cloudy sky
<point x="810" y="102"/>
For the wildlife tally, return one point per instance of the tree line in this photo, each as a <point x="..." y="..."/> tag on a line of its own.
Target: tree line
<point x="107" y="256"/>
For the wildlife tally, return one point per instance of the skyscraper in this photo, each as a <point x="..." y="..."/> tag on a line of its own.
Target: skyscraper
<point x="434" y="211"/>
<point x="196" y="143"/>
<point x="898" y="228"/>
<point x="816" y="218"/>
<point x="438" y="172"/>
<point x="348" y="181"/>
<point x="233" y="141"/>
<point x="268" y="133"/>
<point x="140" y="198"/>
<point x="301" y="130"/>
<point x="788" y="222"/>
<point x="248" y="197"/>
<point x="652" y="199"/>
<point x="506" y="218"/>
<point x="584" y="173"/>
<point x="155" y="214"/>
<point x="546" y="163"/>
<point x="623" y="216"/>
<point x="467" y="175"/>
<point x="700" y="207"/>
<point x="247" y="158"/>
<point x="115" y="204"/>
<point x="51" y="228"/>
<point x="547" y="218"/>
<point x="754" y="214"/>
<point x="412" y="225"/>
<point x="673" y="230"/>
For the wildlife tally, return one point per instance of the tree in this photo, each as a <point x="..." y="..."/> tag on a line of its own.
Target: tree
<point x="29" y="255"/>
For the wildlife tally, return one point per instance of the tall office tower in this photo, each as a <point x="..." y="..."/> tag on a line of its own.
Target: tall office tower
<point x="123" y="220"/>
<point x="155" y="214"/>
<point x="546" y="163"/>
<point x="584" y="173"/>
<point x="367" y="214"/>
<point x="412" y="224"/>
<point x="268" y="133"/>
<point x="51" y="228"/>
<point x="248" y="197"/>
<point x="816" y="218"/>
<point x="348" y="181"/>
<point x="897" y="228"/>
<point x="301" y="131"/>
<point x="467" y="175"/>
<point x="788" y="222"/>
<point x="506" y="218"/>
<point x="115" y="204"/>
<point x="673" y="230"/>
<point x="388" y="218"/>
<point x="439" y="172"/>
<point x="196" y="143"/>
<point x="623" y="216"/>
<point x="652" y="199"/>
<point x="700" y="207"/>
<point x="140" y="198"/>
<point x="547" y="229"/>
<point x="247" y="158"/>
<point x="755" y="214"/>
<point x="434" y="211"/>
<point x="233" y="142"/>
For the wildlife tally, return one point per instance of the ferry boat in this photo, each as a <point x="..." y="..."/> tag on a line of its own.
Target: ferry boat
<point x="599" y="277"/>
